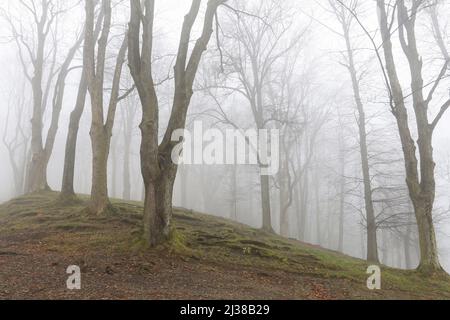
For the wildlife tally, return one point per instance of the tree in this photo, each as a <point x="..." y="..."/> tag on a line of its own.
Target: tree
<point x="420" y="177"/>
<point x="299" y="120"/>
<point x="101" y="129"/>
<point x="158" y="170"/>
<point x="35" y="49"/>
<point x="346" y="19"/>
<point x="256" y="38"/>
<point x="128" y="115"/>
<point x="67" y="188"/>
<point x="17" y="144"/>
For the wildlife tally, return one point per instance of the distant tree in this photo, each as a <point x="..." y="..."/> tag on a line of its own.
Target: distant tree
<point x="129" y="113"/>
<point x="17" y="144"/>
<point x="257" y="37"/>
<point x="346" y="19"/>
<point x="38" y="51"/>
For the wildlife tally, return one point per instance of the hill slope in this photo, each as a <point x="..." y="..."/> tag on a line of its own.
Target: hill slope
<point x="208" y="258"/>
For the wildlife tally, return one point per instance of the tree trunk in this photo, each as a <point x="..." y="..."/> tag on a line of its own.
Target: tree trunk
<point x="284" y="199"/>
<point x="113" y="185"/>
<point x="158" y="171"/>
<point x="126" y="166"/>
<point x="429" y="259"/>
<point x="407" y="247"/>
<point x="304" y="197"/>
<point x="234" y="193"/>
<point x="37" y="177"/>
<point x="158" y="207"/>
<point x="363" y="247"/>
<point x="372" y="250"/>
<point x="183" y="178"/>
<point x="265" y="204"/>
<point x="99" y="203"/>
<point x="67" y="188"/>
<point x="318" y="209"/>
<point x="341" y="214"/>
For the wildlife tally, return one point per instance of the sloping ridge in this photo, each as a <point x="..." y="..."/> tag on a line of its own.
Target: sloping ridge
<point x="208" y="257"/>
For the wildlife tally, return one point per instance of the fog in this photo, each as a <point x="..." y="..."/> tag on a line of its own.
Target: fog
<point x="298" y="82"/>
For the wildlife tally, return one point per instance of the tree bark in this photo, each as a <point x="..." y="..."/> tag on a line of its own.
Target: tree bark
<point x="318" y="207"/>
<point x="265" y="204"/>
<point x="126" y="195"/>
<point x="67" y="188"/>
<point x="342" y="190"/>
<point x="284" y="185"/>
<point x="127" y="139"/>
<point x="100" y="151"/>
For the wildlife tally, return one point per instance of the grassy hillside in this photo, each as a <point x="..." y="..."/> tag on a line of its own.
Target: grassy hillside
<point x="208" y="258"/>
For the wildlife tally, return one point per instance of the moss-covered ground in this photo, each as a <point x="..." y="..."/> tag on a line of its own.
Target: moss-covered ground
<point x="207" y="257"/>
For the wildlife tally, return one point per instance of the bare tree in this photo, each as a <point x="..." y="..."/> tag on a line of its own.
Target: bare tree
<point x="129" y="112"/>
<point x="346" y="19"/>
<point x="67" y="188"/>
<point x="17" y="144"/>
<point x="419" y="172"/>
<point x="101" y="129"/>
<point x="43" y="61"/>
<point x="158" y="170"/>
<point x="257" y="37"/>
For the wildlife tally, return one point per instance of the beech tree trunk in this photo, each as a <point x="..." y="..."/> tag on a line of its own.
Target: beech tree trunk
<point x="67" y="188"/>
<point x="234" y="194"/>
<point x="126" y="171"/>
<point x="129" y="115"/>
<point x="265" y="204"/>
<point x="284" y="185"/>
<point x="158" y="207"/>
<point x="304" y="197"/>
<point x="318" y="207"/>
<point x="100" y="152"/>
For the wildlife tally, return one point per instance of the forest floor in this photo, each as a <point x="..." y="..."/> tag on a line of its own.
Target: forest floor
<point x="208" y="258"/>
